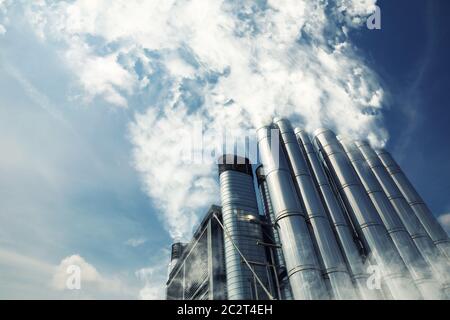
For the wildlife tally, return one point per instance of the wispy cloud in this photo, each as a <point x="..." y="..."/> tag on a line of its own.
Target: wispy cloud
<point x="39" y="98"/>
<point x="14" y="259"/>
<point x="135" y="242"/>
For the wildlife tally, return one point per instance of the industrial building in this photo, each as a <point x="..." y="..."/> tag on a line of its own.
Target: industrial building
<point x="197" y="269"/>
<point x="319" y="218"/>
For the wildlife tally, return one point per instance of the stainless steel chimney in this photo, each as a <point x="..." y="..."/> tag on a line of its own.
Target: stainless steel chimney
<point x="365" y="217"/>
<point x="280" y="264"/>
<point x="423" y="213"/>
<point x="418" y="268"/>
<point x="335" y="268"/>
<point x="242" y="230"/>
<point x="423" y="241"/>
<point x="301" y="260"/>
<point x="341" y="226"/>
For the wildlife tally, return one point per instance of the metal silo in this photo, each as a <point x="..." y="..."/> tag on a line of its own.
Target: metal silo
<point x="242" y="233"/>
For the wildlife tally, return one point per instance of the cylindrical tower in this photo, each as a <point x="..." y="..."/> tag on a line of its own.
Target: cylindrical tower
<point x="423" y="213"/>
<point x="341" y="226"/>
<point x="300" y="256"/>
<point x="365" y="217"/>
<point x="418" y="268"/>
<point x="281" y="273"/>
<point x="423" y="241"/>
<point x="242" y="229"/>
<point x="335" y="268"/>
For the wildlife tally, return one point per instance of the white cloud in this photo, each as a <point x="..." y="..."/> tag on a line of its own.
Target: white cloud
<point x="89" y="274"/>
<point x="39" y="278"/>
<point x="179" y="190"/>
<point x="135" y="242"/>
<point x="93" y="284"/>
<point x="354" y="12"/>
<point x="444" y="220"/>
<point x="100" y="76"/>
<point x="229" y="64"/>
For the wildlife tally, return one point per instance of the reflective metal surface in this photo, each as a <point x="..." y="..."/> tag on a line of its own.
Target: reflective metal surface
<point x="417" y="231"/>
<point x="241" y="221"/>
<point x="335" y="268"/>
<point x="418" y="268"/>
<point x="423" y="213"/>
<point x="302" y="264"/>
<point x="365" y="217"/>
<point x="280" y="264"/>
<point x="341" y="225"/>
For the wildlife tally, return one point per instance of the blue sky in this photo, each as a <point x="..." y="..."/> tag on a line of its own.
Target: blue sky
<point x="84" y="176"/>
<point x="410" y="53"/>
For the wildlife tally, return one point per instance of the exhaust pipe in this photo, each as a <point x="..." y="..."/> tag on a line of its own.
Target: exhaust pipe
<point x="285" y="288"/>
<point x="423" y="241"/>
<point x="423" y="213"/>
<point x="343" y="230"/>
<point x="364" y="215"/>
<point x="405" y="245"/>
<point x="303" y="268"/>
<point x="335" y="268"/>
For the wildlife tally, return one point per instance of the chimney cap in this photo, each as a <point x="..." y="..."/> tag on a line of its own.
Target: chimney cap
<point x="230" y="162"/>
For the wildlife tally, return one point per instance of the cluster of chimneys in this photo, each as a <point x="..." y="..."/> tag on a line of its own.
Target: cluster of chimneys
<point x="346" y="221"/>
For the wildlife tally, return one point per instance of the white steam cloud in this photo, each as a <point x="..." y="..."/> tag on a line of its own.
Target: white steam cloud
<point x="228" y="64"/>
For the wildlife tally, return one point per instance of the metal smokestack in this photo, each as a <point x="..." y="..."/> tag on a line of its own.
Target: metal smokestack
<point x="335" y="267"/>
<point x="242" y="229"/>
<point x="405" y="245"/>
<point x="177" y="251"/>
<point x="278" y="251"/>
<point x="302" y="264"/>
<point x="337" y="216"/>
<point x="365" y="217"/>
<point x="423" y="213"/>
<point x="423" y="241"/>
